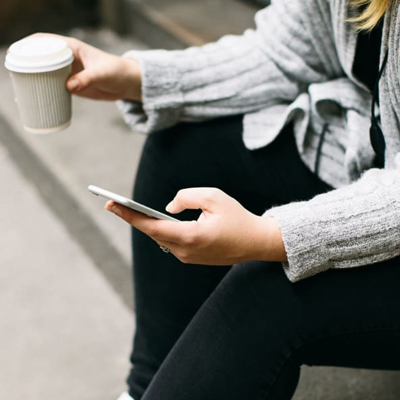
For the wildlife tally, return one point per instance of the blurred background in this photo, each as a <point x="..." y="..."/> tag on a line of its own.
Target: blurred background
<point x="67" y="315"/>
<point x="20" y="17"/>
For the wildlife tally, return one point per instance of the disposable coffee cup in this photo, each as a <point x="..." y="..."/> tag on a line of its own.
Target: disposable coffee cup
<point x="39" y="68"/>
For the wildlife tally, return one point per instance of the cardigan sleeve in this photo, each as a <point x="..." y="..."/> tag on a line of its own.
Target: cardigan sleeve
<point x="348" y="227"/>
<point x="291" y="47"/>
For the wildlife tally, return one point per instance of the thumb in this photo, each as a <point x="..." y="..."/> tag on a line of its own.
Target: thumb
<point x="80" y="81"/>
<point x="194" y="198"/>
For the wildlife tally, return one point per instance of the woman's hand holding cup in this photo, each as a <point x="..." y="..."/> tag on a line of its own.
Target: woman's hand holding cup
<point x="99" y="75"/>
<point x="46" y="68"/>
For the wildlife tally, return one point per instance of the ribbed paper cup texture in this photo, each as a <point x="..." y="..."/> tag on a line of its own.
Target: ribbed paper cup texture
<point x="43" y="101"/>
<point x="39" y="68"/>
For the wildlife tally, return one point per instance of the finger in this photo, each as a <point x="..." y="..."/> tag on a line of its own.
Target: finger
<point x="159" y="230"/>
<point x="80" y="81"/>
<point x="96" y="94"/>
<point x="194" y="198"/>
<point x="133" y="217"/>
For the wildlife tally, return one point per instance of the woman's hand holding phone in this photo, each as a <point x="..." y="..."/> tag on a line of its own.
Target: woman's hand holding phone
<point x="225" y="233"/>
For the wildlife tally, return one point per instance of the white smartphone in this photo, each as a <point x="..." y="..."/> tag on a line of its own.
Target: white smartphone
<point x="130" y="203"/>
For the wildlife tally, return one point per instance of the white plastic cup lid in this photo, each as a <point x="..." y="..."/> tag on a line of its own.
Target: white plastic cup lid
<point x="38" y="54"/>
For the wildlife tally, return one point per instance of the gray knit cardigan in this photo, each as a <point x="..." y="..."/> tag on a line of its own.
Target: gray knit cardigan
<point x="297" y="66"/>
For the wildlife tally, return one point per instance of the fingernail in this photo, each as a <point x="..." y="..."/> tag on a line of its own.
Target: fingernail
<point x="73" y="85"/>
<point x="170" y="206"/>
<point x="116" y="211"/>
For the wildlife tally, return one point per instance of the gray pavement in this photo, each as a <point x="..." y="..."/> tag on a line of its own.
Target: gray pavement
<point x="65" y="308"/>
<point x="65" y="334"/>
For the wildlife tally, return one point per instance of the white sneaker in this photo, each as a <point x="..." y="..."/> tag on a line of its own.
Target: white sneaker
<point x="125" y="396"/>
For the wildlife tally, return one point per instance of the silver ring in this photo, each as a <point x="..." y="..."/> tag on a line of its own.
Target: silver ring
<point x="165" y="249"/>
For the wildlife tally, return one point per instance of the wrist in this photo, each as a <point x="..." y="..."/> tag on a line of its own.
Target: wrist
<point x="270" y="243"/>
<point x="133" y="78"/>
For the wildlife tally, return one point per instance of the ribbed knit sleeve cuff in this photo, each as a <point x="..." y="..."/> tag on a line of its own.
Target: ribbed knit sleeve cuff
<point x="304" y="244"/>
<point x="161" y="104"/>
<point x="349" y="227"/>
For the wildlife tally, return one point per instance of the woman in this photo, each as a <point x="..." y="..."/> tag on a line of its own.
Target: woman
<point x="270" y="133"/>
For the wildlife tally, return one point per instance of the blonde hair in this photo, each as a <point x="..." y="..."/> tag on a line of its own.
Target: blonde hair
<point x="373" y="11"/>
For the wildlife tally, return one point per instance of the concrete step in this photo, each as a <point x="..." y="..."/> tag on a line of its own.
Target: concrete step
<point x="65" y="333"/>
<point x="176" y="24"/>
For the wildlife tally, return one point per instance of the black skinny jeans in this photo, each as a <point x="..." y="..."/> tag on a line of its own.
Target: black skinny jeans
<point x="242" y="332"/>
